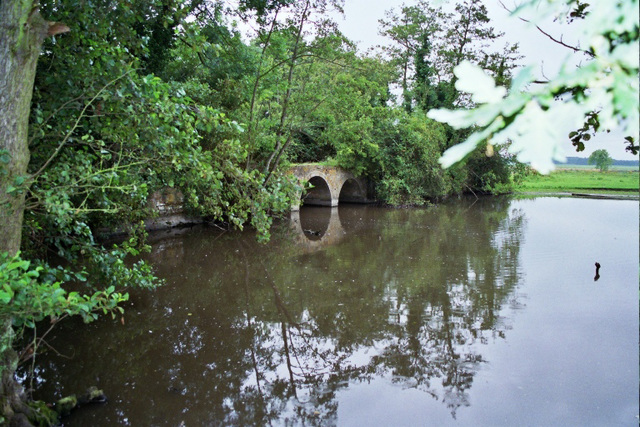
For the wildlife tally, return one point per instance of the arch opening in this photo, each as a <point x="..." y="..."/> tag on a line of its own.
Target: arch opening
<point x="351" y="192"/>
<point x="319" y="194"/>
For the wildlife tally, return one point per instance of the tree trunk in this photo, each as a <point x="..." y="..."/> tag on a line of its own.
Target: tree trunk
<point x="22" y="32"/>
<point x="12" y="399"/>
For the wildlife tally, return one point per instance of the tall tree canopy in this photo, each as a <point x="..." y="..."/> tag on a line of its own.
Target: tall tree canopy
<point x="429" y="43"/>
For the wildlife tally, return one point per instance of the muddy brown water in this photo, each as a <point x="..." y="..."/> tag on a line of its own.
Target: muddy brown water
<point x="471" y="313"/>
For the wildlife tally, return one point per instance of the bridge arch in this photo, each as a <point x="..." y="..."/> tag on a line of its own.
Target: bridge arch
<point x="330" y="186"/>
<point x="352" y="191"/>
<point x="320" y="194"/>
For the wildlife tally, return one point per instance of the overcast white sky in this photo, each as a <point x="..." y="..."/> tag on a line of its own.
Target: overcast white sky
<point x="360" y="24"/>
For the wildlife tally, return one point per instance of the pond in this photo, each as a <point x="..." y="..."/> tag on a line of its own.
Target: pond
<point x="474" y="312"/>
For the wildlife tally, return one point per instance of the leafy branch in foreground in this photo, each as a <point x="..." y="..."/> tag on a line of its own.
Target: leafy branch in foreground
<point x="537" y="119"/>
<point x="28" y="296"/>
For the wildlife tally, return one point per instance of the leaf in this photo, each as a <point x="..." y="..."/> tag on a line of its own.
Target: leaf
<point x="460" y="151"/>
<point x="472" y="79"/>
<point x="7" y="294"/>
<point x="456" y="118"/>
<point x="539" y="145"/>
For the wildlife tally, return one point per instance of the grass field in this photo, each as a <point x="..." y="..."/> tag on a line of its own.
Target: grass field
<point x="613" y="168"/>
<point x="583" y="181"/>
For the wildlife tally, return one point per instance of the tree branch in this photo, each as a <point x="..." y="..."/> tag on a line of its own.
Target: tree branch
<point x="54" y="113"/>
<point x="77" y="122"/>
<point x="552" y="38"/>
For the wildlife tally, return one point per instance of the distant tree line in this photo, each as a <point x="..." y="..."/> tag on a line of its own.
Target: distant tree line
<point x="584" y="161"/>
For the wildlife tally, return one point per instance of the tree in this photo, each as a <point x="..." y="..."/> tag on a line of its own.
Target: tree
<point x="534" y="116"/>
<point x="341" y="99"/>
<point x="414" y="30"/>
<point x="282" y="39"/>
<point x="28" y="293"/>
<point x="429" y="44"/>
<point x="84" y="141"/>
<point x="409" y="148"/>
<point x="22" y="32"/>
<point x="601" y="159"/>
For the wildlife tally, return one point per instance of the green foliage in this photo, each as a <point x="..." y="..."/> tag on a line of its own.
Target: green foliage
<point x="29" y="295"/>
<point x="494" y="170"/>
<point x="349" y="110"/>
<point x="31" y="291"/>
<point x="262" y="7"/>
<point x="429" y="43"/>
<point x="104" y="135"/>
<point x="312" y="100"/>
<point x="409" y="172"/>
<point x="334" y="100"/>
<point x="412" y="31"/>
<point x="601" y="159"/>
<point x="536" y="117"/>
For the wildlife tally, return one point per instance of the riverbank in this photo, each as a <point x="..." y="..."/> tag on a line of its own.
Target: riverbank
<point x="582" y="182"/>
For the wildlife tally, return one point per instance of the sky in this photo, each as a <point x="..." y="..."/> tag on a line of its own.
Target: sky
<point x="360" y="24"/>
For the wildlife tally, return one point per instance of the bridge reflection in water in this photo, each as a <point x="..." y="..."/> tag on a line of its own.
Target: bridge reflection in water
<point x="316" y="228"/>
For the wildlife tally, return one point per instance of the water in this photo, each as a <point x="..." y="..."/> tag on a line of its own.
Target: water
<point x="468" y="314"/>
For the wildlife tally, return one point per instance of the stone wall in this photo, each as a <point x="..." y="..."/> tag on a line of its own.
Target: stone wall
<point x="169" y="204"/>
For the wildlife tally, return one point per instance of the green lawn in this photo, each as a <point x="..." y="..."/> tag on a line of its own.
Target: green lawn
<point x="583" y="181"/>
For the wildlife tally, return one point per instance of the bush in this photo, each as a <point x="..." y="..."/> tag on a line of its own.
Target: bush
<point x="495" y="173"/>
<point x="409" y="172"/>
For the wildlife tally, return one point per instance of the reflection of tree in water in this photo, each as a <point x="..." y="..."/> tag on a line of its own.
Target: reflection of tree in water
<point x="247" y="335"/>
<point x="442" y="322"/>
<point x="437" y="299"/>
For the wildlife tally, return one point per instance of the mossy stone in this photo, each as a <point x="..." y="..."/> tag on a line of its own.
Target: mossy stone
<point x="65" y="405"/>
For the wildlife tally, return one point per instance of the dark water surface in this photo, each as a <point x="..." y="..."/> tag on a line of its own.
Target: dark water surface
<point x="469" y="314"/>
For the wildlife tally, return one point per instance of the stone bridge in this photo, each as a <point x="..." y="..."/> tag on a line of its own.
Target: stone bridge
<point x="330" y="185"/>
